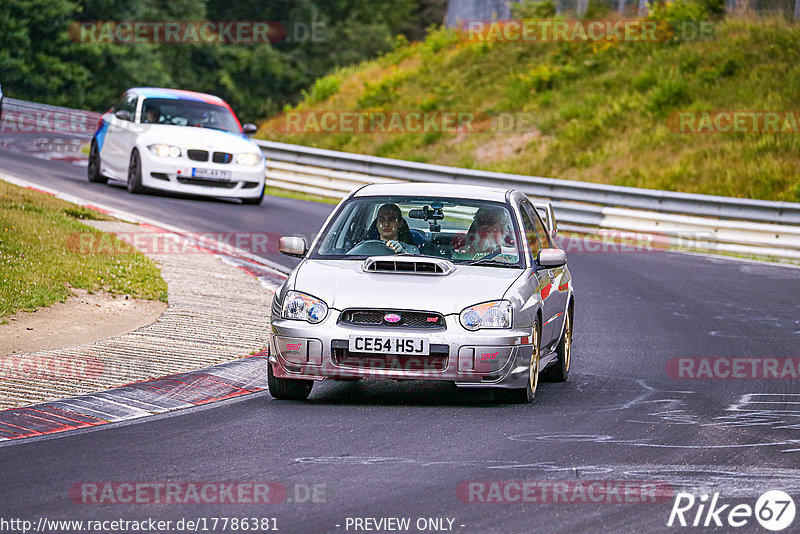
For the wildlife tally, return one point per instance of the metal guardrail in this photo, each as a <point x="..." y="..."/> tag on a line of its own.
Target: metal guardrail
<point x="556" y="189"/>
<point x="743" y="226"/>
<point x="706" y="222"/>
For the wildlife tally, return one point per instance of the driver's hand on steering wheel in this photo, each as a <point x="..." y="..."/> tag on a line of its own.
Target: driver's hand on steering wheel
<point x="394" y="245"/>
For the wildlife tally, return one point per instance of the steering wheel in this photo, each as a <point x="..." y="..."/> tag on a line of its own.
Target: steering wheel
<point x="371" y="247"/>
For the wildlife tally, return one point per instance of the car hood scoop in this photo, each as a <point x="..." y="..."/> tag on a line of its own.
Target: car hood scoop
<point x="408" y="264"/>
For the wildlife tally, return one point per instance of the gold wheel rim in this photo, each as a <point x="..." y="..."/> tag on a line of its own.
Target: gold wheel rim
<point x="534" y="370"/>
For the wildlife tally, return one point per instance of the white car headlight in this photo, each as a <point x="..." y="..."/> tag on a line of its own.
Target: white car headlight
<point x="165" y="151"/>
<point x="495" y="314"/>
<point x="248" y="158"/>
<point x="302" y="307"/>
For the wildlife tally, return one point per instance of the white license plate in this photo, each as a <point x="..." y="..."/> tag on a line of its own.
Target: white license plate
<point x="390" y="345"/>
<point x="211" y="173"/>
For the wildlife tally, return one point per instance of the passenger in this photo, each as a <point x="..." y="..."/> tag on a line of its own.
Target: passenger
<point x="391" y="228"/>
<point x="490" y="231"/>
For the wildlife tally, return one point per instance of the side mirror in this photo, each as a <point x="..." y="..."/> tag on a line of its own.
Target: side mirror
<point x="548" y="216"/>
<point x="249" y="128"/>
<point x="123" y="115"/>
<point x="293" y="246"/>
<point x="551" y="257"/>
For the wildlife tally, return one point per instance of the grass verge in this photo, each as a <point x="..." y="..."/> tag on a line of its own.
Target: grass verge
<point x="39" y="259"/>
<point x="599" y="112"/>
<point x="297" y="195"/>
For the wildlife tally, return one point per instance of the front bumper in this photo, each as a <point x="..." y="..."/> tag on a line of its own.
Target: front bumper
<point x="485" y="358"/>
<point x="176" y="175"/>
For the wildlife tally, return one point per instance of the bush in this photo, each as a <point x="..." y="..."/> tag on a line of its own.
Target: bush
<point x="677" y="11"/>
<point x="679" y="17"/>
<point x="381" y="92"/>
<point x="666" y="95"/>
<point x="322" y="90"/>
<point x="534" y="9"/>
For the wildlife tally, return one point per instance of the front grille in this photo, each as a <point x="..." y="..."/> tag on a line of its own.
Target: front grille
<point x="408" y="319"/>
<point x="436" y="361"/>
<point x="222" y="157"/>
<point x="207" y="183"/>
<point x="197" y="155"/>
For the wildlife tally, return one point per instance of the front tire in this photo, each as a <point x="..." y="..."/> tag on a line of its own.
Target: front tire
<point x="135" y="174"/>
<point x="287" y="388"/>
<point x="255" y="201"/>
<point x="93" y="170"/>
<point x="525" y="395"/>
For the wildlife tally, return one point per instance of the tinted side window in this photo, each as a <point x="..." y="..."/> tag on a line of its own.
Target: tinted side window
<point x="119" y="103"/>
<point x="129" y="105"/>
<point x="530" y="234"/>
<point x="541" y="231"/>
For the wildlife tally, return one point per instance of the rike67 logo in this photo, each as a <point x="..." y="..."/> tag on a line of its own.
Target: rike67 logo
<point x="774" y="510"/>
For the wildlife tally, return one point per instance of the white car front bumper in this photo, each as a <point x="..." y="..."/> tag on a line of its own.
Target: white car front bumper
<point x="177" y="175"/>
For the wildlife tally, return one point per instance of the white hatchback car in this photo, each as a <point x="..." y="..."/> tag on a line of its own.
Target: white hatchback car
<point x="178" y="141"/>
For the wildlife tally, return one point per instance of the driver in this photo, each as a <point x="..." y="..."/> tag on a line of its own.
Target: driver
<point x="152" y="115"/>
<point x="391" y="228"/>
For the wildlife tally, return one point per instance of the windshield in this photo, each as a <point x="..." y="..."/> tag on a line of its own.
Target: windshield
<point x="460" y="230"/>
<point x="188" y="113"/>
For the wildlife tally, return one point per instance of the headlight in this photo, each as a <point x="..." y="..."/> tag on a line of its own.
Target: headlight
<point x="248" y="158"/>
<point x="165" y="151"/>
<point x="495" y="314"/>
<point x="302" y="307"/>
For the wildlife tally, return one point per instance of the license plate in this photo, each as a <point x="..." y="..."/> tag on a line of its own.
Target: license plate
<point x="211" y="173"/>
<point x="390" y="345"/>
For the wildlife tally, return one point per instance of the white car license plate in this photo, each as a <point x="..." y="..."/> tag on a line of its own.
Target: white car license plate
<point x="211" y="173"/>
<point x="390" y="345"/>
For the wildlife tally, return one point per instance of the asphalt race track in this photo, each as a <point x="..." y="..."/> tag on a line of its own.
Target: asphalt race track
<point x="381" y="450"/>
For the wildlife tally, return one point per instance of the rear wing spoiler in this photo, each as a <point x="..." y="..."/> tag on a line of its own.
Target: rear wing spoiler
<point x="548" y="216"/>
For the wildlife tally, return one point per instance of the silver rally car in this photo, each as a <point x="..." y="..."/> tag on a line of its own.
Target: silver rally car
<point x="426" y="281"/>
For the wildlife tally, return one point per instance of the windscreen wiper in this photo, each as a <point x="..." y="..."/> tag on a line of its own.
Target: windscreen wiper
<point x="488" y="260"/>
